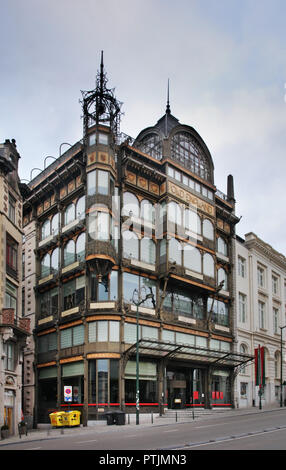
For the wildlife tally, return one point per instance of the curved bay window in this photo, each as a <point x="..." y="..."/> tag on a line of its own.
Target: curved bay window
<point x="130" y="245"/>
<point x="188" y="152"/>
<point x="99" y="225"/>
<point x="131" y="206"/>
<point x="222" y="246"/>
<point x="175" y="251"/>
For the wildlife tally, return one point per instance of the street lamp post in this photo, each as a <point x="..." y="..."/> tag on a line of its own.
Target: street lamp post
<point x="281" y="366"/>
<point x="138" y="300"/>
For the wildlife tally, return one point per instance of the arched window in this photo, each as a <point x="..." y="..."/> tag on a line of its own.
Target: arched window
<point x="175" y="251"/>
<point x="148" y="251"/>
<point x="208" y="265"/>
<point x="222" y="276"/>
<point x="69" y="215"/>
<point x="192" y="221"/>
<point x="208" y="229"/>
<point x="46" y="229"/>
<point x="69" y="253"/>
<point x="187" y="151"/>
<point x="222" y="246"/>
<point x="152" y="145"/>
<point x="192" y="258"/>
<point x="80" y="247"/>
<point x="130" y="205"/>
<point x="80" y="208"/>
<point x="46" y="265"/>
<point x="55" y="224"/>
<point x="55" y="261"/>
<point x="99" y="225"/>
<point x="130" y="245"/>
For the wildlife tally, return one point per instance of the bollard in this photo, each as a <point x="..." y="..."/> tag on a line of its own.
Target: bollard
<point x="176" y="416"/>
<point x="152" y="417"/>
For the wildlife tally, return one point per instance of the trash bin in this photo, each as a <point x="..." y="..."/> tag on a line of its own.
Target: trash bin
<point x="119" y="417"/>
<point x="73" y="418"/>
<point x="109" y="417"/>
<point x="57" y="418"/>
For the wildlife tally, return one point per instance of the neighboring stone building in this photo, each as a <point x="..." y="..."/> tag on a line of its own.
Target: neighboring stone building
<point x="14" y="328"/>
<point x="114" y="221"/>
<point x="260" y="311"/>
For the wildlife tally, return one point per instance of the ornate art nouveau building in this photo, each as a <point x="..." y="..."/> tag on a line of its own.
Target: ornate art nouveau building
<point x="113" y="221"/>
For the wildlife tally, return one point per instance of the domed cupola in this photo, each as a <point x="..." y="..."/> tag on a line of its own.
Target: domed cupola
<point x="169" y="139"/>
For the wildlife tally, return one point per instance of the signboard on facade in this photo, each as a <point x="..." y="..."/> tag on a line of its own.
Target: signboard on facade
<point x="67" y="393"/>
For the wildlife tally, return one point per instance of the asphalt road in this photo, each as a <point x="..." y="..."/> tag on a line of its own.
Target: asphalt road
<point x="258" y="431"/>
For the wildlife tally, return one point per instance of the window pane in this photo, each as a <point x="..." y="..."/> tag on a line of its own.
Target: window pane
<point x="80" y="247"/>
<point x="69" y="214"/>
<point x="130" y="282"/>
<point x="45" y="265"/>
<point x="66" y="338"/>
<point x="208" y="229"/>
<point x="192" y="258"/>
<point x="55" y="261"/>
<point x="130" y="245"/>
<point x="130" y="205"/>
<point x="208" y="265"/>
<point x="102" y="371"/>
<point x="175" y="251"/>
<point x="113" y="285"/>
<point x="78" y="335"/>
<point x="148" y="250"/>
<point x="91" y="183"/>
<point x="55" y="224"/>
<point x="130" y="333"/>
<point x="80" y="208"/>
<point x="102" y="331"/>
<point x="102" y="181"/>
<point x="114" y="331"/>
<point x="92" y="332"/>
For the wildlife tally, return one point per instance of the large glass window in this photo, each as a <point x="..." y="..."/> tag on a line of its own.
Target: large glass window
<point x="9" y="349"/>
<point x="46" y="229"/>
<point x="105" y="288"/>
<point x="80" y="247"/>
<point x="220" y="311"/>
<point x="175" y="251"/>
<point x="69" y="253"/>
<point x="222" y="277"/>
<point x="143" y="284"/>
<point x="98" y="183"/>
<point x="46" y="265"/>
<point x="80" y="208"/>
<point x="208" y="229"/>
<point x="130" y="205"/>
<point x="103" y="382"/>
<point x="189" y="152"/>
<point x="99" y="225"/>
<point x="72" y="336"/>
<point x="208" y="263"/>
<point x="73" y="292"/>
<point x="147" y="211"/>
<point x="49" y="303"/>
<point x="192" y="258"/>
<point x="192" y="221"/>
<point x="55" y="224"/>
<point x="148" y="251"/>
<point x="11" y="296"/>
<point x="181" y="302"/>
<point x="222" y="246"/>
<point x="130" y="245"/>
<point x="69" y="214"/>
<point x="103" y="330"/>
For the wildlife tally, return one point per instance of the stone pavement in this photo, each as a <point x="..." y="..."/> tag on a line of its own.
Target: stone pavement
<point x="45" y="431"/>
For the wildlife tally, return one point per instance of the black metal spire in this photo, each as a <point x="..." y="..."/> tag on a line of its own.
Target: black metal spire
<point x="168" y="109"/>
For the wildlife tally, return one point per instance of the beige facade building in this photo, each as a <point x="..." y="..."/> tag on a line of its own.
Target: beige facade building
<point x="260" y="278"/>
<point x="14" y="328"/>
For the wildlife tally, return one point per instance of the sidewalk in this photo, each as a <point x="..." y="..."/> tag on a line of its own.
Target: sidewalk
<point x="45" y="431"/>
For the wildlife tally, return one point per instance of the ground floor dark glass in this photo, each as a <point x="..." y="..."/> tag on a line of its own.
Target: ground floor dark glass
<point x="183" y="386"/>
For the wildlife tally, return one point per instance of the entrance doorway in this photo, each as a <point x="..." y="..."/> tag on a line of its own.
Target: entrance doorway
<point x="185" y="387"/>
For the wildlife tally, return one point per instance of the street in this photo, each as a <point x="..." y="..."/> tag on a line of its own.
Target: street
<point x="253" y="431"/>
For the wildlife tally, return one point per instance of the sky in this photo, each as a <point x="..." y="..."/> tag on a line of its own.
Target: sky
<point x="226" y="61"/>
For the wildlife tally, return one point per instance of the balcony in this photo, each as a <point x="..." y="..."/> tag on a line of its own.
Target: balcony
<point x="21" y="326"/>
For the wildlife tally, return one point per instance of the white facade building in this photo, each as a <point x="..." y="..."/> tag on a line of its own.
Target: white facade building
<point x="260" y="286"/>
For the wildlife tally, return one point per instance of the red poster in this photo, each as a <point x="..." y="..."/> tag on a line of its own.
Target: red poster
<point x="196" y="395"/>
<point x="221" y="395"/>
<point x="213" y="395"/>
<point x="217" y="395"/>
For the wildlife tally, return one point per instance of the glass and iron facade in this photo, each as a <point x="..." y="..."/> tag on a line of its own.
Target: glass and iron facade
<point x="114" y="216"/>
